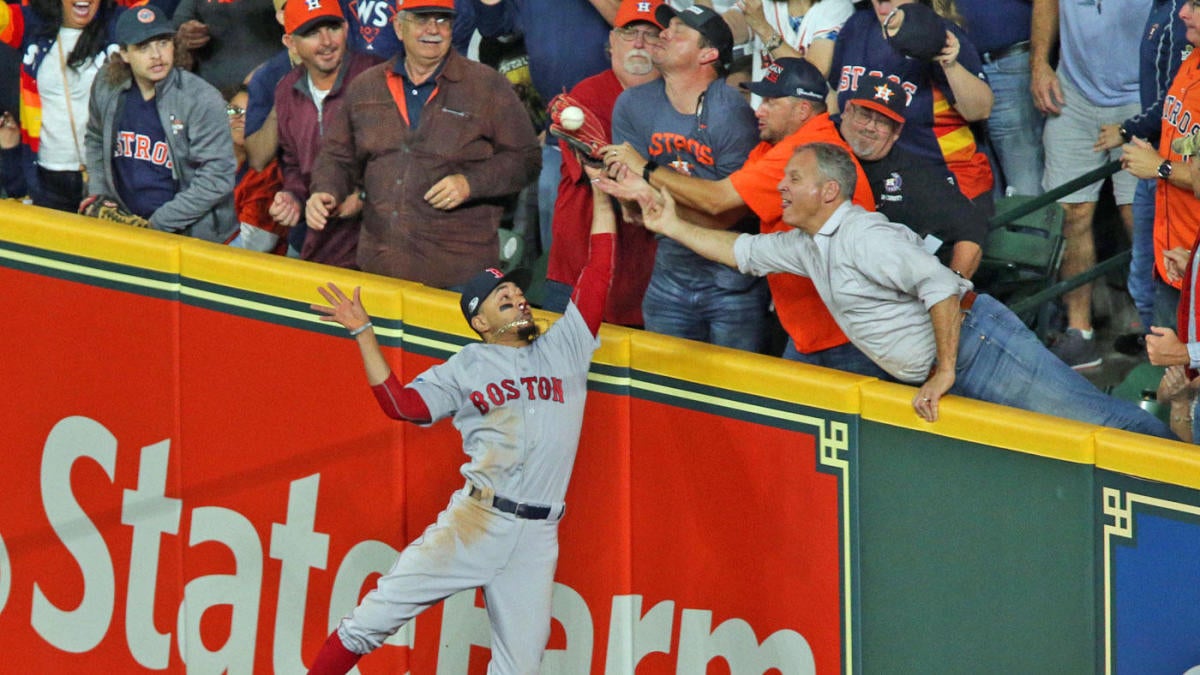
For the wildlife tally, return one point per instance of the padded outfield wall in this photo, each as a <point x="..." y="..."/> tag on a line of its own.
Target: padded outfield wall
<point x="198" y="479"/>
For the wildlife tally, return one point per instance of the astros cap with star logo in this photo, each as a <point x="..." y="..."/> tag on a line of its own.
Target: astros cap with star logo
<point x="882" y="95"/>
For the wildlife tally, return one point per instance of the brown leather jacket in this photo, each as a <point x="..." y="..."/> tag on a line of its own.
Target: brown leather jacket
<point x="474" y="125"/>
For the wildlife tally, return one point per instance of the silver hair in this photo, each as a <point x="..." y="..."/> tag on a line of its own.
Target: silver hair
<point x="835" y="164"/>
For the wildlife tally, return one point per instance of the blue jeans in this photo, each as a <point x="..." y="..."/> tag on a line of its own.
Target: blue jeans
<point x="547" y="192"/>
<point x="1166" y="305"/>
<point x="1195" y="426"/>
<point x="689" y="303"/>
<point x="1002" y="361"/>
<point x="1015" y="126"/>
<point x="1141" y="264"/>
<point x="845" y="357"/>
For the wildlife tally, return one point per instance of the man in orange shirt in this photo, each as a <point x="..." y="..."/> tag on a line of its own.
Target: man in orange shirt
<point x="791" y="114"/>
<point x="1176" y="212"/>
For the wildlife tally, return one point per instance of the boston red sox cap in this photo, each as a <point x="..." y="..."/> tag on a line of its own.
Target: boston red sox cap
<point x="881" y="95"/>
<point x="790" y="76"/>
<point x="480" y="286"/>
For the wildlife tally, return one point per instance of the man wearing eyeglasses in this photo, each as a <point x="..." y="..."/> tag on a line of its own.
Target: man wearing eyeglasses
<point x="305" y="98"/>
<point x="629" y="50"/>
<point x="921" y="195"/>
<point x="434" y="142"/>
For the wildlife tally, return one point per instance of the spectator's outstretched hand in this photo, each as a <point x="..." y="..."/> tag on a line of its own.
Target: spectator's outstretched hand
<point x="622" y="183"/>
<point x="623" y="155"/>
<point x="658" y="210"/>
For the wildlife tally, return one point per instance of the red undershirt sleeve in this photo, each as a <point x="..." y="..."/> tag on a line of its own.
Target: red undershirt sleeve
<point x="400" y="402"/>
<point x="591" y="290"/>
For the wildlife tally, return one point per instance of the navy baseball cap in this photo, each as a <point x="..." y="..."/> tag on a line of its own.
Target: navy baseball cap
<point x="706" y="22"/>
<point x="140" y="24"/>
<point x="921" y="33"/>
<point x="790" y="76"/>
<point x="881" y="95"/>
<point x="480" y="286"/>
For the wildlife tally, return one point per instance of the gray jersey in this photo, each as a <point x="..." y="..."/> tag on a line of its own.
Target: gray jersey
<point x="519" y="410"/>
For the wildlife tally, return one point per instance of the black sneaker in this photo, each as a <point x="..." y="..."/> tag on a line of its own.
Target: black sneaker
<point x="1131" y="344"/>
<point x="1077" y="351"/>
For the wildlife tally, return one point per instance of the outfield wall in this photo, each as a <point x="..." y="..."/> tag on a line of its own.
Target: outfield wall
<point x="200" y="480"/>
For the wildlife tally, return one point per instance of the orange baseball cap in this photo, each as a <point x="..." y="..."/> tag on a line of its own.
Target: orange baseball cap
<point x="637" y="10"/>
<point x="301" y="15"/>
<point x="426" y="6"/>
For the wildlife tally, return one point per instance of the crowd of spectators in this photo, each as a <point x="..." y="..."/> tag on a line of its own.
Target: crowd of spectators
<point x="399" y="136"/>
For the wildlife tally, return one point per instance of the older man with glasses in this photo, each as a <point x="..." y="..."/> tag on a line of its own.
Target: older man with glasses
<point x="432" y="142"/>
<point x="921" y="195"/>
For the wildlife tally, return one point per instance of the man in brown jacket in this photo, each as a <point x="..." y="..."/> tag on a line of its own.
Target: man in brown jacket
<point x="437" y="141"/>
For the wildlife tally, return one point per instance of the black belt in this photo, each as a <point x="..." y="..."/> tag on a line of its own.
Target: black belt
<point x="518" y="509"/>
<point x="1008" y="50"/>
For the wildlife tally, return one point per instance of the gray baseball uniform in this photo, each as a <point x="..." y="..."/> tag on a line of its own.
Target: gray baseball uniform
<point x="519" y="411"/>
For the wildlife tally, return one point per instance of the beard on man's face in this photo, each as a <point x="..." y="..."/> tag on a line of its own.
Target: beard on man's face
<point x="637" y="62"/>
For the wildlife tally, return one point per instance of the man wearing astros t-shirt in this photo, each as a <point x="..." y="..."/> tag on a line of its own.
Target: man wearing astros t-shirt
<point x="792" y="113"/>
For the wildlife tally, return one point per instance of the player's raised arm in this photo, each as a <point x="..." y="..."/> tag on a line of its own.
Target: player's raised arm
<point x="591" y="290"/>
<point x="398" y="402"/>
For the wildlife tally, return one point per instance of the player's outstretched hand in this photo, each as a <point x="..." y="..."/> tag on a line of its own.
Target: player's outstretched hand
<point x="347" y="311"/>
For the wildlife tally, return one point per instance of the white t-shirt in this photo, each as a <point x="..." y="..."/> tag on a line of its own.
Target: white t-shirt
<point x="57" y="147"/>
<point x="318" y="97"/>
<point x="822" y="21"/>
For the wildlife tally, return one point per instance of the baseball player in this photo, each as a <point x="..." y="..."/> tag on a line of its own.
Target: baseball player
<point x="517" y="398"/>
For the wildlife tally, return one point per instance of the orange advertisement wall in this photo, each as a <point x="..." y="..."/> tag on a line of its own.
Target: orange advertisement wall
<point x="198" y="479"/>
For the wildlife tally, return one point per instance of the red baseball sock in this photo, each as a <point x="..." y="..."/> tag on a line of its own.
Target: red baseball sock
<point x="334" y="658"/>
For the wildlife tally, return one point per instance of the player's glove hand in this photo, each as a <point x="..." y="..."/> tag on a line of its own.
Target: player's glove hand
<point x="108" y="208"/>
<point x="586" y="139"/>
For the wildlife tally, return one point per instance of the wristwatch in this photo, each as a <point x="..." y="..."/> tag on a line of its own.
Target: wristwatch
<point x="772" y="43"/>
<point x="1125" y="133"/>
<point x="1164" y="170"/>
<point x="649" y="169"/>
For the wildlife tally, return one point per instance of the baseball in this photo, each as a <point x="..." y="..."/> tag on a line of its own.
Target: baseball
<point x="571" y="118"/>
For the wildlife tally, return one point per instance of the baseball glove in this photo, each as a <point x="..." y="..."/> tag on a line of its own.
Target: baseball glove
<point x="587" y="140"/>
<point x="108" y="208"/>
